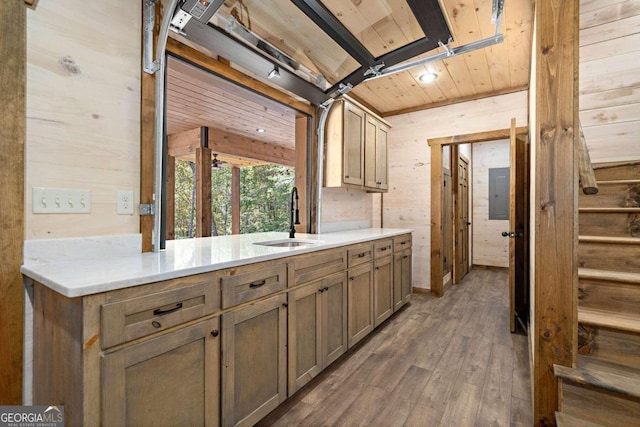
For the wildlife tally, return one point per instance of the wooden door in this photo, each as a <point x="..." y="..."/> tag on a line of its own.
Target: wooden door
<point x="462" y="216"/>
<point x="334" y="318"/>
<point x="407" y="277"/>
<point x="518" y="231"/>
<point x="254" y="361"/>
<point x="382" y="161"/>
<point x="370" y="152"/>
<point x="169" y="380"/>
<point x="354" y="125"/>
<point x="383" y="289"/>
<point x="305" y="317"/>
<point x="360" y="303"/>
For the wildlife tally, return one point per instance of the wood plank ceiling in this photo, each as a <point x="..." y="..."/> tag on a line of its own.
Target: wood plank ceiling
<point x="196" y="98"/>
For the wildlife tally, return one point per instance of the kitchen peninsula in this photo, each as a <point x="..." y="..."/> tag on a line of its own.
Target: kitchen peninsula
<point x="211" y="331"/>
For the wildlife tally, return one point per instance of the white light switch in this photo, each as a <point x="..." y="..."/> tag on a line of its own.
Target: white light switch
<point x="61" y="200"/>
<point x="125" y="202"/>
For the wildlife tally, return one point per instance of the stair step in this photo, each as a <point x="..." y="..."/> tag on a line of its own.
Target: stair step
<point x="608" y="319"/>
<point x="613" y="194"/>
<point x="566" y="420"/>
<point x="609" y="276"/>
<point x="617" y="170"/>
<point x="607" y="222"/>
<point x="607" y="376"/>
<point x="600" y="392"/>
<point x="609" y="290"/>
<point x="609" y="253"/>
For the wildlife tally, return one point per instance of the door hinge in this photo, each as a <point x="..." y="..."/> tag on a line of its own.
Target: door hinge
<point x="147" y="209"/>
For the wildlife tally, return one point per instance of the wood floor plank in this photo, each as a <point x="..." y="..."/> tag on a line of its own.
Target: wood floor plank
<point x="447" y="361"/>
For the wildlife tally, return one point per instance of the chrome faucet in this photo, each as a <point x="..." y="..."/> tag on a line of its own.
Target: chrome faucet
<point x="296" y="212"/>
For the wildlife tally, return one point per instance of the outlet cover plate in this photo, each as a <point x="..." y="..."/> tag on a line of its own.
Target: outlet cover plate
<point x="125" y="202"/>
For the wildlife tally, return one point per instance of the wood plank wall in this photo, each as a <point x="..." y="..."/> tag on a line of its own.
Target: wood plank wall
<point x="489" y="247"/>
<point x="609" y="83"/>
<point x="12" y="138"/>
<point x="83" y="111"/>
<point x="554" y="133"/>
<point x="408" y="202"/>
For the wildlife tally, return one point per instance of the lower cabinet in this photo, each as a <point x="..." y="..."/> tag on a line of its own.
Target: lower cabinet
<point x="254" y="361"/>
<point x="383" y="289"/>
<point x="402" y="282"/>
<point x="317" y="328"/>
<point x="360" y="303"/>
<point x="170" y="380"/>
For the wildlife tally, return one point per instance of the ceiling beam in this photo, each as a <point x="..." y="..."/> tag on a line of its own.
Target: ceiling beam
<point x="221" y="142"/>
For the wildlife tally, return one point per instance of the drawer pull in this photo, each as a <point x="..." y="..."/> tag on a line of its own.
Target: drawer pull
<point x="257" y="284"/>
<point x="156" y="324"/>
<point x="385" y="248"/>
<point x="215" y="333"/>
<point x="362" y="255"/>
<point x="405" y="257"/>
<point x="161" y="312"/>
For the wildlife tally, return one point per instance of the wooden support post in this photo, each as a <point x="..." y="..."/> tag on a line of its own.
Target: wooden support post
<point x="555" y="134"/>
<point x="587" y="176"/>
<point x="170" y="197"/>
<point x="437" y="287"/>
<point x="13" y="51"/>
<point x="235" y="200"/>
<point x="203" y="186"/>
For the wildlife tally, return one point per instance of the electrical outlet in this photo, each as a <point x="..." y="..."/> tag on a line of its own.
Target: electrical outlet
<point x="61" y="200"/>
<point x="125" y="202"/>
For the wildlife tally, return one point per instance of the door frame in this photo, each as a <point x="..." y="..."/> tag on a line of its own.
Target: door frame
<point x="436" y="144"/>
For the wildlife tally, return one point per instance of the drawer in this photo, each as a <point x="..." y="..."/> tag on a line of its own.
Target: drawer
<point x="318" y="264"/>
<point x="359" y="254"/>
<point x="382" y="248"/>
<point x="133" y="318"/>
<point x="250" y="283"/>
<point x="401" y="242"/>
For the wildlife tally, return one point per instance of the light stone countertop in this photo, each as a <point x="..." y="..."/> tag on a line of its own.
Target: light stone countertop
<point x="75" y="278"/>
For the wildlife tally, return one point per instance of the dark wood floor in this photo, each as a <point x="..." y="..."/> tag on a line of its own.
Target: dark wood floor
<point x="447" y="361"/>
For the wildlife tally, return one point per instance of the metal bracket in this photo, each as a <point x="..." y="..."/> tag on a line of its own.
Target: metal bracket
<point x="149" y="21"/>
<point x="341" y="90"/>
<point x="447" y="47"/>
<point x="147" y="209"/>
<point x="374" y="70"/>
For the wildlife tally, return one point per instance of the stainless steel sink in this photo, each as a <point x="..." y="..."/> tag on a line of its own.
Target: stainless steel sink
<point x="288" y="243"/>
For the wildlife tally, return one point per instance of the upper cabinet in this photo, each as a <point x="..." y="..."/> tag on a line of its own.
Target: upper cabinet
<point x="356" y="148"/>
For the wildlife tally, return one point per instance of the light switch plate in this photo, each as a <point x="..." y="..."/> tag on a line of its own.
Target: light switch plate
<point x="61" y="200"/>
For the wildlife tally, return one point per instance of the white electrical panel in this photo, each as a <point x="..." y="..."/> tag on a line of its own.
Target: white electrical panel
<point x="61" y="200"/>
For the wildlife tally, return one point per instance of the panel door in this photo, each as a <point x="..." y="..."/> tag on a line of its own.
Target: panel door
<point x="383" y="289"/>
<point x="402" y="279"/>
<point x="170" y="380"/>
<point x="360" y="303"/>
<point x="382" y="161"/>
<point x="305" y="327"/>
<point x="354" y="124"/>
<point x="254" y="361"/>
<point x="462" y="208"/>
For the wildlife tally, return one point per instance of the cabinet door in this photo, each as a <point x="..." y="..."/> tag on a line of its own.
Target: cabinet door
<point x="382" y="162"/>
<point x="167" y="381"/>
<point x="353" y="167"/>
<point x="407" y="280"/>
<point x="383" y="289"/>
<point x="402" y="282"/>
<point x="254" y="361"/>
<point x="334" y="317"/>
<point x="305" y="320"/>
<point x="360" y="303"/>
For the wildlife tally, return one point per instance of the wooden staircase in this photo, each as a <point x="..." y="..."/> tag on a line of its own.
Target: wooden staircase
<point x="604" y="389"/>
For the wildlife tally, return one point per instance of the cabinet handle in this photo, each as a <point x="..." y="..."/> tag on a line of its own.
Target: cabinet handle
<point x="385" y="248"/>
<point x="379" y="183"/>
<point x="362" y="255"/>
<point x="321" y="290"/>
<point x="405" y="257"/>
<point x="351" y="278"/>
<point x="346" y="176"/>
<point x="156" y="324"/>
<point x="215" y="333"/>
<point x="257" y="284"/>
<point x="326" y="288"/>
<point x="377" y="268"/>
<point x="161" y="312"/>
<point x="285" y="305"/>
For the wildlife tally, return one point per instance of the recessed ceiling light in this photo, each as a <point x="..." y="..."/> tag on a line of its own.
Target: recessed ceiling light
<point x="260" y="130"/>
<point x="427" y="77"/>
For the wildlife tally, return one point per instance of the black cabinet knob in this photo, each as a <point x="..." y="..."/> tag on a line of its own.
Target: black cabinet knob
<point x="156" y="324"/>
<point x="215" y="333"/>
